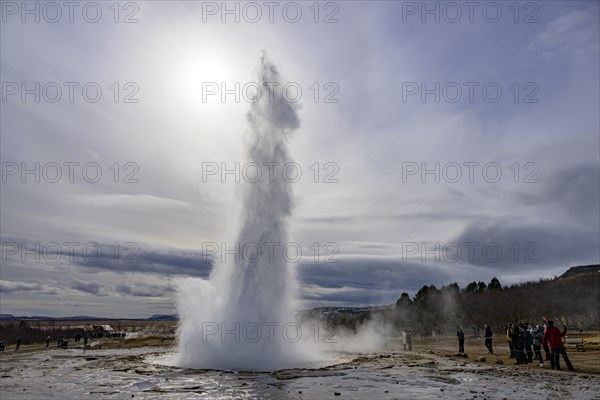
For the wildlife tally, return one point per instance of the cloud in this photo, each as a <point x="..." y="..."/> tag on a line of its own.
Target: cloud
<point x="558" y="225"/>
<point x="145" y="201"/>
<point x="571" y="35"/>
<point x="569" y="193"/>
<point x="10" y="287"/>
<point x="314" y="294"/>
<point x="144" y="290"/>
<point x="88" y="287"/>
<point x="130" y="257"/>
<point x="370" y="281"/>
<point x="505" y="246"/>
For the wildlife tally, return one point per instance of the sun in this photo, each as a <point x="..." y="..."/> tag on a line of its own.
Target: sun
<point x="204" y="69"/>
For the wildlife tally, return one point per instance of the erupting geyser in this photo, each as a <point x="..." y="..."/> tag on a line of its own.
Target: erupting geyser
<point x="243" y="318"/>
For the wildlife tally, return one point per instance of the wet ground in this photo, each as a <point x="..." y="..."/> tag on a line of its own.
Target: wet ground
<point x="140" y="373"/>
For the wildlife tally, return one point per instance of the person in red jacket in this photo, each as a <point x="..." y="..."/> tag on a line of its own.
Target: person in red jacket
<point x="553" y="336"/>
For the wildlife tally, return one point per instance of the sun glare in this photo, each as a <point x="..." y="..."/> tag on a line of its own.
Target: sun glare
<point x="200" y="75"/>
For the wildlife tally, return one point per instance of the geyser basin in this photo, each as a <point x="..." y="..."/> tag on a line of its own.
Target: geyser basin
<point x="242" y="318"/>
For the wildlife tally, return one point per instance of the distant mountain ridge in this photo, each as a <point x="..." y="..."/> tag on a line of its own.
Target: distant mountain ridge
<point x="72" y="318"/>
<point x="155" y="317"/>
<point x="163" y="317"/>
<point x="581" y="269"/>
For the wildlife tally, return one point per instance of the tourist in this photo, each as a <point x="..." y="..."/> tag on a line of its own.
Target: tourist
<point x="407" y="340"/>
<point x="518" y="346"/>
<point x="509" y="332"/>
<point x="553" y="337"/>
<point x="528" y="342"/>
<point x="546" y="346"/>
<point x="461" y="341"/>
<point x="538" y="338"/>
<point x="2" y="345"/>
<point x="19" y="340"/>
<point x="488" y="339"/>
<point x="47" y="341"/>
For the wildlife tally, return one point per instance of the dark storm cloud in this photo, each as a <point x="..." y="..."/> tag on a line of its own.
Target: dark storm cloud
<point x="131" y="257"/>
<point x="162" y="263"/>
<point x="373" y="274"/>
<point x="575" y="191"/>
<point x="503" y="246"/>
<point x="144" y="290"/>
<point x="9" y="287"/>
<point x="566" y="233"/>
<point x="386" y="215"/>
<point x="353" y="297"/>
<point x="380" y="281"/>
<point x="88" y="287"/>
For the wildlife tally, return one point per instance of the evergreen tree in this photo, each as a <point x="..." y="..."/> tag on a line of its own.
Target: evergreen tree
<point x="494" y="284"/>
<point x="404" y="300"/>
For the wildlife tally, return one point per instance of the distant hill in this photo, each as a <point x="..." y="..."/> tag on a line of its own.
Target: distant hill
<point x="163" y="317"/>
<point x="581" y="269"/>
<point x="572" y="299"/>
<point x="46" y="318"/>
<point x="155" y="317"/>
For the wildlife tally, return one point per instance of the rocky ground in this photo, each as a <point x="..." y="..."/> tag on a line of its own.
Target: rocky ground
<point x="136" y="368"/>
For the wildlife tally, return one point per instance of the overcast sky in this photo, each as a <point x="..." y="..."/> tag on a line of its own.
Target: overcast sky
<point x="503" y="101"/>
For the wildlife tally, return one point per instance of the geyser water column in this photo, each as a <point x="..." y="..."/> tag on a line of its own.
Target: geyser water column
<point x="242" y="318"/>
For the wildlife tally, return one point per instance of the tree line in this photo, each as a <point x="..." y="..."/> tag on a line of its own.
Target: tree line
<point x="572" y="301"/>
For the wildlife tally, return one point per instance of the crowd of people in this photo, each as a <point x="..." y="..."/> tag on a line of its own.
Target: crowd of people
<point x="61" y="342"/>
<point x="526" y="343"/>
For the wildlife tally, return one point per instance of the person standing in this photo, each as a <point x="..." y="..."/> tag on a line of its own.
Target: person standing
<point x="538" y="338"/>
<point x="461" y="341"/>
<point x="518" y="346"/>
<point x="407" y="338"/>
<point x="528" y="342"/>
<point x="47" y="341"/>
<point x="19" y="340"/>
<point x="546" y="346"/>
<point x="488" y="339"/>
<point x="553" y="337"/>
<point x="509" y="334"/>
